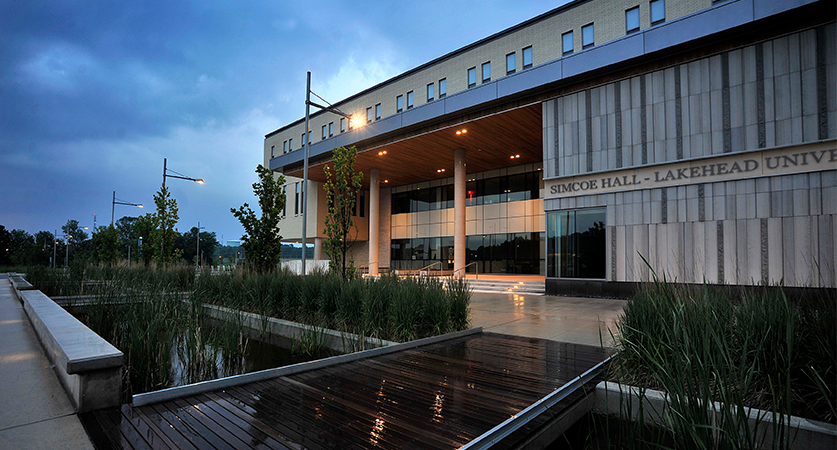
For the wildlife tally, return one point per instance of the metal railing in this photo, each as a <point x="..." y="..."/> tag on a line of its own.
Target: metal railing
<point x="476" y="273"/>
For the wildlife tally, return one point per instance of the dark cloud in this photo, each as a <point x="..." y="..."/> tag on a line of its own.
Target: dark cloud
<point x="95" y="94"/>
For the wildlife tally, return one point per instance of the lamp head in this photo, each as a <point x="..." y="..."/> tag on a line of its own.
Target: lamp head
<point x="200" y="181"/>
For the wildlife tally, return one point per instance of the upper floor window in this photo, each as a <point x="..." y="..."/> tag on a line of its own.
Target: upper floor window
<point x="409" y="99"/>
<point x="472" y="77"/>
<point x="567" y="42"/>
<point x="290" y="144"/>
<point x="377" y="111"/>
<point x="443" y="87"/>
<point x="632" y="20"/>
<point x="324" y="132"/>
<point x="302" y="137"/>
<point x="399" y="103"/>
<point x="431" y="92"/>
<point x="272" y="151"/>
<point x="527" y="57"/>
<point x="331" y="129"/>
<point x="342" y="124"/>
<point x="486" y="71"/>
<point x="284" y="147"/>
<point x="658" y="11"/>
<point x="511" y="63"/>
<point x="588" y="37"/>
<point x="368" y="114"/>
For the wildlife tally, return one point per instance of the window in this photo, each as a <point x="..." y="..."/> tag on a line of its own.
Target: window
<point x="430" y="92"/>
<point x="486" y="72"/>
<point x="658" y="11"/>
<point x="369" y="114"/>
<point x="399" y="103"/>
<point x="472" y="77"/>
<point x="331" y="129"/>
<point x="290" y="145"/>
<point x="284" y="204"/>
<point x="511" y="63"/>
<point x="362" y="205"/>
<point x="409" y="99"/>
<point x="632" y="20"/>
<point x="567" y="42"/>
<point x="342" y="124"/>
<point x="296" y="199"/>
<point x="576" y="243"/>
<point x="377" y="111"/>
<point x="272" y="151"/>
<point x="324" y="132"/>
<point x="285" y="147"/>
<point x="443" y="87"/>
<point x="588" y="37"/>
<point x="527" y="57"/>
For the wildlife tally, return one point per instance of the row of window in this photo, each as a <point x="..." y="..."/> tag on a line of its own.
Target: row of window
<point x="588" y="39"/>
<point x="510" y="188"/>
<point x="492" y="253"/>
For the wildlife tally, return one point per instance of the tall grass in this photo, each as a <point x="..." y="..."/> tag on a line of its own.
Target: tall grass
<point x="386" y="308"/>
<point x="742" y="349"/>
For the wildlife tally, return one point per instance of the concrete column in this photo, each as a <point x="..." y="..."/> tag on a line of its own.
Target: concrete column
<point x="459" y="194"/>
<point x="318" y="248"/>
<point x="374" y="208"/>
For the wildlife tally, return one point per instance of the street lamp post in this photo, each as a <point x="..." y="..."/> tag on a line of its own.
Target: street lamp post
<point x="115" y="202"/>
<point x="178" y="175"/>
<point x="307" y="137"/>
<point x="198" y="249"/>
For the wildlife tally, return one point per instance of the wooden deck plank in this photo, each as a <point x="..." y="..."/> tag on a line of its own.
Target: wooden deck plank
<point x="244" y="431"/>
<point x="227" y="433"/>
<point x="436" y="396"/>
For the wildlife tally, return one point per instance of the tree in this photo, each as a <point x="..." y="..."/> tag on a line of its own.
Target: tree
<point x="106" y="244"/>
<point x="187" y="244"/>
<point x="128" y="236"/>
<point x="164" y="221"/>
<point x="144" y="230"/>
<point x="5" y="246"/>
<point x="341" y="189"/>
<point x="74" y="233"/>
<point x="261" y="239"/>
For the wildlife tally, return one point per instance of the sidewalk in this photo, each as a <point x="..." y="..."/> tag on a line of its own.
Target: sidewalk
<point x="567" y="319"/>
<point x="36" y="412"/>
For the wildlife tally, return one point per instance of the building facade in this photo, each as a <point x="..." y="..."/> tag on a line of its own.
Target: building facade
<point x="598" y="144"/>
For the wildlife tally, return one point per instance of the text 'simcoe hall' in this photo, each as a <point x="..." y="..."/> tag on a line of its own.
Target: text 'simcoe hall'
<point x="595" y="143"/>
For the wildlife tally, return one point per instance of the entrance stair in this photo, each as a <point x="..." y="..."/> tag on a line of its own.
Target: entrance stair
<point x="507" y="286"/>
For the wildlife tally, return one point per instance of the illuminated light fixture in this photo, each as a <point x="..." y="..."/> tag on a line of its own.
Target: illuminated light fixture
<point x="382" y="152"/>
<point x="460" y="132"/>
<point x="356" y="121"/>
<point x="440" y="170"/>
<point x="514" y="156"/>
<point x="386" y="181"/>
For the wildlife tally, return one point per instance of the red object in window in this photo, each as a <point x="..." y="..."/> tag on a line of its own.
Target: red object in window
<point x="470" y="196"/>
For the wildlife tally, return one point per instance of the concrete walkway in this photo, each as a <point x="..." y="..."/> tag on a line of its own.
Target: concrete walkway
<point x="35" y="412"/>
<point x="568" y="319"/>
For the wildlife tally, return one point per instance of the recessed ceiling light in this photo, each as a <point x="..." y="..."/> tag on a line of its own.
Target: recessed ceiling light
<point x="462" y="131"/>
<point x="382" y="152"/>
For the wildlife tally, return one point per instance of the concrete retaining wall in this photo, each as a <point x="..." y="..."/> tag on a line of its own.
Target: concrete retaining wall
<point x="89" y="368"/>
<point x="613" y="399"/>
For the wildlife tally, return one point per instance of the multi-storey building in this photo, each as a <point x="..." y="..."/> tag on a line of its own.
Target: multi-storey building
<point x="595" y="143"/>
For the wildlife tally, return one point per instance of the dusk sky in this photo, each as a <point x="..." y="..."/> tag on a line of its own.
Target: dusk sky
<point x="94" y="94"/>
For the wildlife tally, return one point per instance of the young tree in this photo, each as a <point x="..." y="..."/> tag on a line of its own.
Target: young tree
<point x="75" y="234"/>
<point x="261" y="239"/>
<point x="164" y="221"/>
<point x="341" y="189"/>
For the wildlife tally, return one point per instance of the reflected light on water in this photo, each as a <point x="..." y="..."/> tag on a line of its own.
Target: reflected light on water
<point x="437" y="407"/>
<point x="377" y="431"/>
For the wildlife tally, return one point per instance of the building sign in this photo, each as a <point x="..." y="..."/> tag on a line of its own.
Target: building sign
<point x="798" y="159"/>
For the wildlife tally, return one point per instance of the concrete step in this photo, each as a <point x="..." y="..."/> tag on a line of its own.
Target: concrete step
<point x="510" y="286"/>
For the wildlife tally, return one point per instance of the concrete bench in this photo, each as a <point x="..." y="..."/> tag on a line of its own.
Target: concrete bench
<point x="90" y="368"/>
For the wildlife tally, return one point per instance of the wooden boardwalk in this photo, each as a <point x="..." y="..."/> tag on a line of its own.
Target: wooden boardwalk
<point x="439" y="396"/>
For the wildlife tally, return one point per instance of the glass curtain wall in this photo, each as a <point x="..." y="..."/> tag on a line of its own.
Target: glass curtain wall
<point x="493" y="253"/>
<point x="576" y="243"/>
